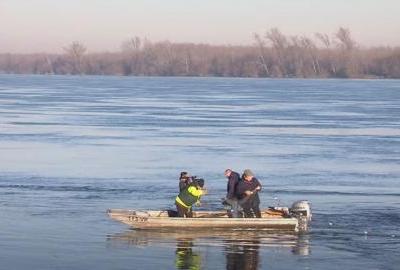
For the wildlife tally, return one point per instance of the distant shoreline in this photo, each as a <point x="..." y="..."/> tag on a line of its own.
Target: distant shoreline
<point x="244" y="62"/>
<point x="191" y="77"/>
<point x="273" y="55"/>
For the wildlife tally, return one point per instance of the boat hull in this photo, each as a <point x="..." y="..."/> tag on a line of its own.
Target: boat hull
<point x="212" y="220"/>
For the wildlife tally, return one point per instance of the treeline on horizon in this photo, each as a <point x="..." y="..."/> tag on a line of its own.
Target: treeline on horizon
<point x="273" y="55"/>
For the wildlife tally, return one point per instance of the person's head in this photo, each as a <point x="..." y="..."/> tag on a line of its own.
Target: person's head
<point x="228" y="172"/>
<point x="199" y="182"/>
<point x="184" y="175"/>
<point x="248" y="175"/>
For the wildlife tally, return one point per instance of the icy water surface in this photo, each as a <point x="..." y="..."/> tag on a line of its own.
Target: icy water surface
<point x="71" y="147"/>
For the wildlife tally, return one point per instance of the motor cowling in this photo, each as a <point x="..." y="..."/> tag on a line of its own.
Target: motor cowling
<point x="302" y="211"/>
<point x="301" y="208"/>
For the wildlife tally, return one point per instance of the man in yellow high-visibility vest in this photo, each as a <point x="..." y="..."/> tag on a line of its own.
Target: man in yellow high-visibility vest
<point x="189" y="196"/>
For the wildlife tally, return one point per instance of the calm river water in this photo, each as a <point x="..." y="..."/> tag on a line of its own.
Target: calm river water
<point x="72" y="147"/>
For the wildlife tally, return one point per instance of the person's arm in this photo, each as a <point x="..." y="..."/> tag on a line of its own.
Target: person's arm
<point x="231" y="188"/>
<point x="239" y="190"/>
<point x="256" y="189"/>
<point x="259" y="186"/>
<point x="182" y="184"/>
<point x="196" y="192"/>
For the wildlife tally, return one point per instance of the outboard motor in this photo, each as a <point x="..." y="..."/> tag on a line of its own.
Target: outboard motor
<point x="302" y="211"/>
<point x="302" y="208"/>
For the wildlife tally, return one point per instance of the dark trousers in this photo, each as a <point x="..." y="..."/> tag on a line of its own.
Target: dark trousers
<point x="234" y="211"/>
<point x="183" y="211"/>
<point x="251" y="208"/>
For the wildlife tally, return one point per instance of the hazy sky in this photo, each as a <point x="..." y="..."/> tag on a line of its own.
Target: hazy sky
<point x="102" y="25"/>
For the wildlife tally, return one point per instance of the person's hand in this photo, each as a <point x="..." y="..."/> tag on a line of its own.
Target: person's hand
<point x="248" y="192"/>
<point x="198" y="204"/>
<point x="204" y="191"/>
<point x="258" y="188"/>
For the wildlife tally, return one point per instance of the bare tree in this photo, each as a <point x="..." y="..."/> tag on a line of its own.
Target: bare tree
<point x="279" y="43"/>
<point x="76" y="51"/>
<point x="132" y="44"/>
<point x="311" y="50"/>
<point x="330" y="58"/>
<point x="187" y="60"/>
<point x="261" y="45"/>
<point x="49" y="64"/>
<point x="349" y="66"/>
<point x="324" y="38"/>
<point x="278" y="40"/>
<point x="346" y="41"/>
<point x="131" y="49"/>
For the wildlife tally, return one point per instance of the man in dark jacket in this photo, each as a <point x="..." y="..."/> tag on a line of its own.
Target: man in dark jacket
<point x="233" y="180"/>
<point x="247" y="192"/>
<point x="231" y="198"/>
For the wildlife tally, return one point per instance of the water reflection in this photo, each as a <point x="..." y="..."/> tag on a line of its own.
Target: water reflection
<point x="241" y="249"/>
<point x="244" y="255"/>
<point x="185" y="257"/>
